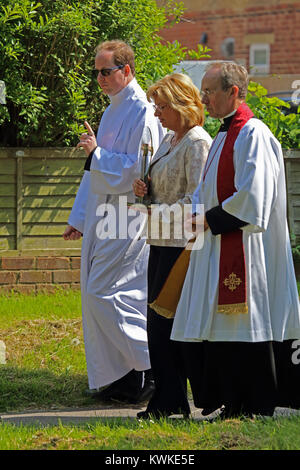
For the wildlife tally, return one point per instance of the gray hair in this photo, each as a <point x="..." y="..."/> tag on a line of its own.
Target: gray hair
<point x="232" y="74"/>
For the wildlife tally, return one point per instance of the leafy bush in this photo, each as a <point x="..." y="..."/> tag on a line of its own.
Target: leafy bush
<point x="47" y="55"/>
<point x="286" y="128"/>
<point x="295" y="247"/>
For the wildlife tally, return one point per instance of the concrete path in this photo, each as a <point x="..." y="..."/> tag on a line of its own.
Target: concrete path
<point x="79" y="416"/>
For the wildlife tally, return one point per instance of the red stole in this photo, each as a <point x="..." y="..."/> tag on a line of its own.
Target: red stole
<point x="232" y="268"/>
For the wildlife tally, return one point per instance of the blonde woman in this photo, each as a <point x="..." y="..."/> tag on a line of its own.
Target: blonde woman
<point x="174" y="174"/>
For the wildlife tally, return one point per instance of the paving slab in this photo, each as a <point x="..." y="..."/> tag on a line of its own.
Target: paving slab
<point x="80" y="416"/>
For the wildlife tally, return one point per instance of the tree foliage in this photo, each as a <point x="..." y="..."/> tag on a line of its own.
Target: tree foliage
<point x="47" y="55"/>
<point x="285" y="127"/>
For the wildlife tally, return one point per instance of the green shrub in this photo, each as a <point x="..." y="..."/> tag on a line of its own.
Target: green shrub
<point x="47" y="56"/>
<point x="286" y="128"/>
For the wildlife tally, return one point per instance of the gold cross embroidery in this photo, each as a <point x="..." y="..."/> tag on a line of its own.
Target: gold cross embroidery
<point x="232" y="281"/>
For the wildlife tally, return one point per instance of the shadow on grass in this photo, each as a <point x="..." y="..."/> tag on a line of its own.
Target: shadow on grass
<point x="22" y="389"/>
<point x="30" y="397"/>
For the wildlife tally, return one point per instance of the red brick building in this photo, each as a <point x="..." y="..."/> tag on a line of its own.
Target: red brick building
<point x="263" y="36"/>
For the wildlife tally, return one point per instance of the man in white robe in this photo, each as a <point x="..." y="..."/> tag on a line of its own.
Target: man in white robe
<point x="245" y="323"/>
<point x="113" y="262"/>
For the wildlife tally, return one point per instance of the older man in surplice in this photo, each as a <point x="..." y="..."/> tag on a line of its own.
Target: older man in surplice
<point x="239" y="303"/>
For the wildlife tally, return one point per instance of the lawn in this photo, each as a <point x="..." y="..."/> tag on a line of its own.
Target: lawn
<point x="45" y="352"/>
<point x="129" y="434"/>
<point x="46" y="369"/>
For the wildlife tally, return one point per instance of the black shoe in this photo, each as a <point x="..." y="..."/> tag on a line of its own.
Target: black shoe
<point x="126" y="389"/>
<point x="157" y="414"/>
<point x="116" y="395"/>
<point x="267" y="412"/>
<point x="112" y="393"/>
<point x="101" y="395"/>
<point x="245" y="414"/>
<point x="147" y="392"/>
<point x="124" y="398"/>
<point x="91" y="392"/>
<point x="229" y="413"/>
<point x="209" y="410"/>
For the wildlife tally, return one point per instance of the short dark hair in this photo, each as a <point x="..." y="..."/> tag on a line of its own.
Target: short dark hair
<point x="123" y="53"/>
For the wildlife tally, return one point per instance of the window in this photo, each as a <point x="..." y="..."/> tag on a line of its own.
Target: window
<point x="259" y="59"/>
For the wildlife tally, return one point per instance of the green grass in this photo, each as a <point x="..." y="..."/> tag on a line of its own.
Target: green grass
<point x="46" y="370"/>
<point x="128" y="434"/>
<point x="61" y="304"/>
<point x="45" y="352"/>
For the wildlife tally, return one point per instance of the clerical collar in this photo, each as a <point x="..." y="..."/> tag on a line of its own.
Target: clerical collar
<point x="225" y="121"/>
<point x="124" y="93"/>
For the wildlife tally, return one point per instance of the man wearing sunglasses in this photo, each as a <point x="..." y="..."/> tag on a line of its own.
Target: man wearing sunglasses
<point x="114" y="269"/>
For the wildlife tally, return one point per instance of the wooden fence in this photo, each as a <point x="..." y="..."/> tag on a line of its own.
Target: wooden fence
<point x="292" y="170"/>
<point x="37" y="190"/>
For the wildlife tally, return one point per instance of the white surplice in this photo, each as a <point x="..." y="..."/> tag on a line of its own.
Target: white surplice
<point x="259" y="200"/>
<point x="114" y="270"/>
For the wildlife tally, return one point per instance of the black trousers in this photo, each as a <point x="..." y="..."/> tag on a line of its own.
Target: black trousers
<point x="166" y="356"/>
<point x="245" y="377"/>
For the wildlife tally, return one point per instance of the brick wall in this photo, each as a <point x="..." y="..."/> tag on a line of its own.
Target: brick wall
<point x="278" y="22"/>
<point x="46" y="273"/>
<point x="31" y="274"/>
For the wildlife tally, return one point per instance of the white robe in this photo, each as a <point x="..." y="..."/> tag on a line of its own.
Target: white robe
<point x="259" y="200"/>
<point x="114" y="271"/>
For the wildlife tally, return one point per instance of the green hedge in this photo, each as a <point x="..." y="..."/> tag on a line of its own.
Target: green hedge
<point x="285" y="127"/>
<point x="47" y="56"/>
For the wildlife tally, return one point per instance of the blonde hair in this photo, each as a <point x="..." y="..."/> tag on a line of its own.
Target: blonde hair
<point x="122" y="52"/>
<point x="180" y="93"/>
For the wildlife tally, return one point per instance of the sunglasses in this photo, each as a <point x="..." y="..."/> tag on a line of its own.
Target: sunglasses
<point x="107" y="72"/>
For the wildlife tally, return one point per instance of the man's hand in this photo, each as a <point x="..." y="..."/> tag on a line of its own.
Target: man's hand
<point x="87" y="141"/>
<point x="139" y="188"/>
<point x="196" y="223"/>
<point x="71" y="233"/>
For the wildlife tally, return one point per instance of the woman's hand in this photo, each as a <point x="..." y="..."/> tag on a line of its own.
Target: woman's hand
<point x="139" y="188"/>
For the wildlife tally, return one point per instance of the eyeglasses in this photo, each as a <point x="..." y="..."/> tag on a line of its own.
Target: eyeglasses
<point x="159" y="107"/>
<point x="107" y="72"/>
<point x="207" y="92"/>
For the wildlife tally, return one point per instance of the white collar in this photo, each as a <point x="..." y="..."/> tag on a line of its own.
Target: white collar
<point x="124" y="93"/>
<point x="228" y="115"/>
